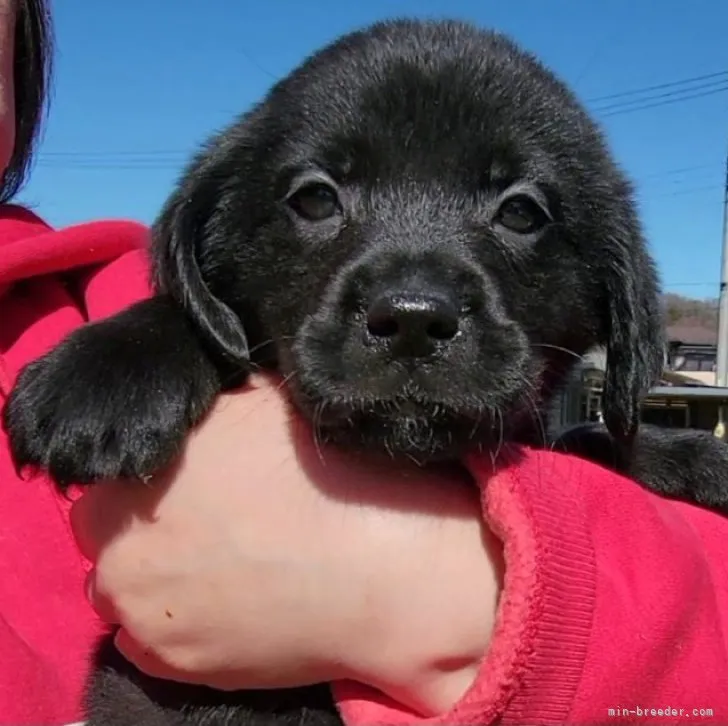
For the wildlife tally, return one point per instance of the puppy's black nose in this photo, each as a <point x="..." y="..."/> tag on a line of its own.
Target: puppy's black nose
<point x="413" y="323"/>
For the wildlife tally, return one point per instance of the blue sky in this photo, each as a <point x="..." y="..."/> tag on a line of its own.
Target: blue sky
<point x="140" y="83"/>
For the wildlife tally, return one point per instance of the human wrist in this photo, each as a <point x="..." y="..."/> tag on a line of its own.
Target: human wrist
<point x="431" y="606"/>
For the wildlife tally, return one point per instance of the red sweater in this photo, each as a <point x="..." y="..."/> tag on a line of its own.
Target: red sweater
<point x="615" y="602"/>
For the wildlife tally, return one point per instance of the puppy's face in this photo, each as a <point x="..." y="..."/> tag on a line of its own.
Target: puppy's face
<point x="419" y="225"/>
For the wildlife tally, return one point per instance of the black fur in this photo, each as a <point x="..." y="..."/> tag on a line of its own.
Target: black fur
<point x="469" y="239"/>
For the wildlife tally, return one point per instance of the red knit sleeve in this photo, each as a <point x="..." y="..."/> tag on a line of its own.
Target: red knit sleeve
<point x="50" y="284"/>
<point x="613" y="611"/>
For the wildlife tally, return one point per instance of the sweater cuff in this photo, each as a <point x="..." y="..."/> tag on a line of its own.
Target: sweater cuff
<point x="533" y="666"/>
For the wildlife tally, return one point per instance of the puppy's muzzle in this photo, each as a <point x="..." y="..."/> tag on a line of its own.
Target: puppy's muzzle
<point x="412" y="324"/>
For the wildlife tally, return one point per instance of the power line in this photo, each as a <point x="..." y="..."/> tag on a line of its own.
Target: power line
<point x="679" y="192"/>
<point x="100" y="160"/>
<point x="680" y="170"/>
<point x="658" y="87"/>
<point x="161" y="159"/>
<point x="257" y="65"/>
<point x="112" y="166"/>
<point x="680" y="93"/>
<point x="667" y="102"/>
<point x="654" y="101"/>
<point x="154" y="152"/>
<point x="598" y="52"/>
<point x="74" y="159"/>
<point x="691" y="284"/>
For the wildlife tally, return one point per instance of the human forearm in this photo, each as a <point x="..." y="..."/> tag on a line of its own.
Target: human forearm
<point x="433" y="607"/>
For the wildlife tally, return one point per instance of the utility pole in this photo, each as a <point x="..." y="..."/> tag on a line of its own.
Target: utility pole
<point x="721" y="363"/>
<point x="721" y="367"/>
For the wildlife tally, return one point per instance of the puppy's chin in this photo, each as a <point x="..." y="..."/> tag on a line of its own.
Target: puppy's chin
<point x="405" y="428"/>
<point x="415" y="438"/>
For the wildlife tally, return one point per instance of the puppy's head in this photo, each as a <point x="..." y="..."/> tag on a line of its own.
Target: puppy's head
<point x="425" y="230"/>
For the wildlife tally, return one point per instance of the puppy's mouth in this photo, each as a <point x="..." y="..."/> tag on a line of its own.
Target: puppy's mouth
<point x="407" y="424"/>
<point x="434" y="408"/>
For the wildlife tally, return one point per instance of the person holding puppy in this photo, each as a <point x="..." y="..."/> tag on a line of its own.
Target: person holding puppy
<point x="538" y="589"/>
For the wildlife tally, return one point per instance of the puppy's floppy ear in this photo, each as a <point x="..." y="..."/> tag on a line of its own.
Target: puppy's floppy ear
<point x="634" y="328"/>
<point x="186" y="227"/>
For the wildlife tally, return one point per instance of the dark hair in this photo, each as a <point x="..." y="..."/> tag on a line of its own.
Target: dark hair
<point x="32" y="75"/>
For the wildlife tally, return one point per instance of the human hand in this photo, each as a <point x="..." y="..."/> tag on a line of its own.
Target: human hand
<point x="264" y="561"/>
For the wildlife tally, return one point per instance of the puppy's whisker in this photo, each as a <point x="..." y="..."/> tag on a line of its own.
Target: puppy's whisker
<point x="559" y="348"/>
<point x="286" y="380"/>
<point x="260" y="345"/>
<point x="270" y="341"/>
<point x="493" y="458"/>
<point x="415" y="460"/>
<point x="317" y="416"/>
<point x="536" y="416"/>
<point x="476" y="424"/>
<point x="501" y="435"/>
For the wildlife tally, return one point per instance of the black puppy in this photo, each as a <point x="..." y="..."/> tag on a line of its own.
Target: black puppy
<point x="422" y="229"/>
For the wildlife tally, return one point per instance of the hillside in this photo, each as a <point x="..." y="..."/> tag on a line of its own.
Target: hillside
<point x="685" y="310"/>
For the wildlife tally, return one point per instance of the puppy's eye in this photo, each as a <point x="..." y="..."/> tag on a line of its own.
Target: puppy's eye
<point x="522" y="215"/>
<point x="315" y="202"/>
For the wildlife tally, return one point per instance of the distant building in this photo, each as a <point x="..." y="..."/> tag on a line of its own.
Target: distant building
<point x="690" y="363"/>
<point x="692" y="352"/>
<point x="580" y="399"/>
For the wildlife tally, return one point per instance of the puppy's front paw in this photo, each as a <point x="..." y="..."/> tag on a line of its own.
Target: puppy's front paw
<point x="114" y="400"/>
